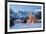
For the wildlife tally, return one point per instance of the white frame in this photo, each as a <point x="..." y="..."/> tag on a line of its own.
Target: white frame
<point x="16" y="30"/>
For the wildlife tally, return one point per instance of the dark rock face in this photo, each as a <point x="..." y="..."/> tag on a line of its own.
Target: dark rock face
<point x="38" y="15"/>
<point x="11" y="23"/>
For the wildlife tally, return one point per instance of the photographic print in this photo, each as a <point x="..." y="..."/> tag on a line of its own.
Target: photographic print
<point x="24" y="16"/>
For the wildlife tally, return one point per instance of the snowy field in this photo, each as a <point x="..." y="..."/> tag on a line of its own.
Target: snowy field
<point x="23" y="26"/>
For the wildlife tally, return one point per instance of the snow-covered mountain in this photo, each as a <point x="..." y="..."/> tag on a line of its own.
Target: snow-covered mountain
<point x="24" y="14"/>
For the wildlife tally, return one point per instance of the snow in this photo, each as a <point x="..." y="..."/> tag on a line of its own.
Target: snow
<point x="25" y="25"/>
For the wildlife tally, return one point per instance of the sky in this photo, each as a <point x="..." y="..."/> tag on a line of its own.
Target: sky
<point x="17" y="8"/>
